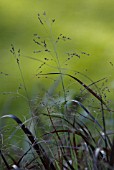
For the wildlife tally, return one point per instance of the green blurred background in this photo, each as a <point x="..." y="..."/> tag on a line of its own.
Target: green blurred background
<point x="90" y="25"/>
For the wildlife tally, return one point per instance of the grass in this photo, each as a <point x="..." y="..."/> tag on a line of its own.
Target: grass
<point x="67" y="128"/>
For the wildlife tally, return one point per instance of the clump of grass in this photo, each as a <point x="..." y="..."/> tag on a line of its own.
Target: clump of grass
<point x="62" y="132"/>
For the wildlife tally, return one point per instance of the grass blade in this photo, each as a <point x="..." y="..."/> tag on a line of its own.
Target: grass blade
<point x="82" y="106"/>
<point x="83" y="84"/>
<point x="111" y="162"/>
<point x="38" y="148"/>
<point x="5" y="162"/>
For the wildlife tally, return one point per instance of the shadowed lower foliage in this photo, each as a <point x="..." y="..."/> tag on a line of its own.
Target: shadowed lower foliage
<point x="69" y="145"/>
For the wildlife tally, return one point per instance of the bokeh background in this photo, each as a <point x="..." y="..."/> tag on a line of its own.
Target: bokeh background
<point x="89" y="24"/>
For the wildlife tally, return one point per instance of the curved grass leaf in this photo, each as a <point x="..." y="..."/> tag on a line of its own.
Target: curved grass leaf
<point x="82" y="106"/>
<point x="83" y="84"/>
<point x="38" y="148"/>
